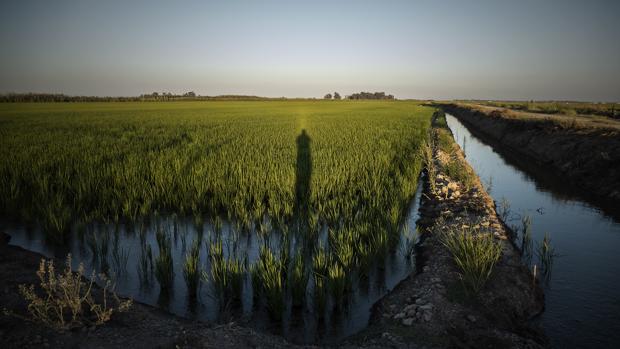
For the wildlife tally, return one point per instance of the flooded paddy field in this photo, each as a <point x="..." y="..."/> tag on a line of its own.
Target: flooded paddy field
<point x="269" y="219"/>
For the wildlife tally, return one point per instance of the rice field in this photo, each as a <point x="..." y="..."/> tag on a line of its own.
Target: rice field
<point x="320" y="189"/>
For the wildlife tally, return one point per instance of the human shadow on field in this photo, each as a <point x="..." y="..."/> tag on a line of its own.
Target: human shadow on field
<point x="303" y="174"/>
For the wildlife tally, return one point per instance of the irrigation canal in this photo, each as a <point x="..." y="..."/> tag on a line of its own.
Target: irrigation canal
<point x="582" y="294"/>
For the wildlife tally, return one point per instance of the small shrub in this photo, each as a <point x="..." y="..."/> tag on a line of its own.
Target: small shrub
<point x="67" y="300"/>
<point x="474" y="254"/>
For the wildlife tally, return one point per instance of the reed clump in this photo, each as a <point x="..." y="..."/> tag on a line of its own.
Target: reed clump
<point x="475" y="255"/>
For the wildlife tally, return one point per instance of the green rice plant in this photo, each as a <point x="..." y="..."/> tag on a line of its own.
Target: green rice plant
<point x="164" y="271"/>
<point x="191" y="269"/>
<point x="227" y="274"/>
<point x="218" y="276"/>
<point x="236" y="270"/>
<point x="320" y="267"/>
<point x="342" y="242"/>
<point x="337" y="281"/>
<point x="298" y="280"/>
<point x="270" y="277"/>
<point x="474" y="253"/>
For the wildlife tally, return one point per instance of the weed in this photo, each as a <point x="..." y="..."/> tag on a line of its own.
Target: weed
<point x="475" y="254"/>
<point x="68" y="300"/>
<point x="546" y="255"/>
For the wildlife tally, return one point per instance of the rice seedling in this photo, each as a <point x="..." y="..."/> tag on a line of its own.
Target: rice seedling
<point x="226" y="274"/>
<point x="474" y="253"/>
<point x="320" y="268"/>
<point x="298" y="280"/>
<point x="163" y="263"/>
<point x="337" y="281"/>
<point x="218" y="275"/>
<point x="191" y="270"/>
<point x="269" y="275"/>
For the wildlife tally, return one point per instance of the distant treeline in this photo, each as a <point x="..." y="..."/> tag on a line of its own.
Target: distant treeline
<point x="155" y="96"/>
<point x="165" y="96"/>
<point x="59" y="97"/>
<point x="370" y="95"/>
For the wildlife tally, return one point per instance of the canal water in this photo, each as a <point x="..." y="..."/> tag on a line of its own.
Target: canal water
<point x="582" y="294"/>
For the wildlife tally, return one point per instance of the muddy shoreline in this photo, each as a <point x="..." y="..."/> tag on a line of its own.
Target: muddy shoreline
<point x="586" y="158"/>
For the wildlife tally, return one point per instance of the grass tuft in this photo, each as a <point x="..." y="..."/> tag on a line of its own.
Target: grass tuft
<point x="475" y="254"/>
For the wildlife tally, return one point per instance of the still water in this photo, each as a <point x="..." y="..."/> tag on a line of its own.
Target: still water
<point x="126" y="247"/>
<point x="582" y="296"/>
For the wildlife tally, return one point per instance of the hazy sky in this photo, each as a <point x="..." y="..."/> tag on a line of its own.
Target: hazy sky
<point x="527" y="49"/>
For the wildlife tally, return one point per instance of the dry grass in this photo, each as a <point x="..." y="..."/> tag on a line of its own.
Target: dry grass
<point x="63" y="301"/>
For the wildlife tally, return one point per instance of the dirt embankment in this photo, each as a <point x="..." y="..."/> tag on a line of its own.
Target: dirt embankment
<point x="430" y="309"/>
<point x="585" y="154"/>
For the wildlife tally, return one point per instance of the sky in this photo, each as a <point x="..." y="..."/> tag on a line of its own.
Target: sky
<point x="440" y="49"/>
